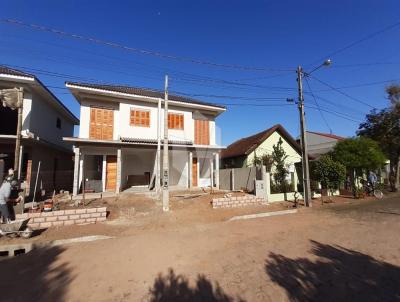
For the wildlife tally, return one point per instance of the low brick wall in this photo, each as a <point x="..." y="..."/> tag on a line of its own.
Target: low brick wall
<point x="237" y="201"/>
<point x="64" y="217"/>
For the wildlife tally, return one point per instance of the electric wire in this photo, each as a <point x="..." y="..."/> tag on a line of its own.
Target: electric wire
<point x="316" y="103"/>
<point x="133" y="49"/>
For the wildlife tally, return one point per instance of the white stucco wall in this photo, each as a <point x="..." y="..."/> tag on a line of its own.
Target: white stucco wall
<point x="122" y="127"/>
<point x="42" y="122"/>
<point x="266" y="147"/>
<point x="26" y="111"/>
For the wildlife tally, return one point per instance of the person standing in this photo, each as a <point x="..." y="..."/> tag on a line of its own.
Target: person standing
<point x="372" y="178"/>
<point x="5" y="192"/>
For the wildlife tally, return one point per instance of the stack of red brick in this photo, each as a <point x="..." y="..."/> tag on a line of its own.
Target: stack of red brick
<point x="64" y="217"/>
<point x="237" y="201"/>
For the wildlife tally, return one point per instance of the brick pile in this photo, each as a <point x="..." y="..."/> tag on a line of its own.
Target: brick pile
<point x="237" y="201"/>
<point x="64" y="217"/>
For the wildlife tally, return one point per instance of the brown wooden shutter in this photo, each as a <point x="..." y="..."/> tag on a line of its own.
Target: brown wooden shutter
<point x="201" y="132"/>
<point x="101" y="124"/>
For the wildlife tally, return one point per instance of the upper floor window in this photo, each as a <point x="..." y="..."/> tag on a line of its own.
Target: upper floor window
<point x="140" y="118"/>
<point x="58" y="123"/>
<point x="175" y="121"/>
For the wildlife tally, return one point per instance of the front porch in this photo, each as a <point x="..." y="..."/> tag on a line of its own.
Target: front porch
<point x="138" y="168"/>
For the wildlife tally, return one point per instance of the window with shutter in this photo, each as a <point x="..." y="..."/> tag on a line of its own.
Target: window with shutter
<point x="175" y="121"/>
<point x="101" y="123"/>
<point x="140" y="118"/>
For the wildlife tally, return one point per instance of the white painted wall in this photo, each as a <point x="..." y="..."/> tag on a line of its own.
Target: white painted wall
<point x="26" y="111"/>
<point x="122" y="127"/>
<point x="42" y="122"/>
<point x="266" y="147"/>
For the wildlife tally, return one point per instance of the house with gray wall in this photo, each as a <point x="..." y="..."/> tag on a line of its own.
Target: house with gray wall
<point x="45" y="121"/>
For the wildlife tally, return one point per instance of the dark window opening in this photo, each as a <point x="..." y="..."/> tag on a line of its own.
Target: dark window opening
<point x="8" y="120"/>
<point x="58" y="124"/>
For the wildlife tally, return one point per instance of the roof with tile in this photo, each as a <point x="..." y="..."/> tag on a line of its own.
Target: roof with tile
<point x="246" y="145"/>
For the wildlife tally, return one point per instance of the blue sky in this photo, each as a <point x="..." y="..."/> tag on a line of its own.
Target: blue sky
<point x="277" y="35"/>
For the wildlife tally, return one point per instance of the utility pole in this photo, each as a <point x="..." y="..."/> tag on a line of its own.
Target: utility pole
<point x="303" y="139"/>
<point x="18" y="134"/>
<point x="165" y="190"/>
<point x="158" y="156"/>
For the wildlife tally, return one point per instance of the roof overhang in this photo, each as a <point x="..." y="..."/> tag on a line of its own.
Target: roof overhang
<point x="32" y="140"/>
<point x="36" y="85"/>
<point x="134" y="143"/>
<point x="80" y="92"/>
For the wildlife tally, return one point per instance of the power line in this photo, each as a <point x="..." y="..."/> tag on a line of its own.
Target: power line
<point x="361" y="85"/>
<point x="133" y="49"/>
<point x="365" y="64"/>
<point x="191" y="79"/>
<point x="367" y="37"/>
<point x="231" y="96"/>
<point x="338" y="114"/>
<point x="336" y="104"/>
<point x="342" y="93"/>
<point x="316" y="103"/>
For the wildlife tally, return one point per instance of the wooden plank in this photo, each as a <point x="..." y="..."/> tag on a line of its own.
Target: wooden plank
<point x="101" y="123"/>
<point x="201" y="132"/>
<point x="111" y="172"/>
<point x="194" y="172"/>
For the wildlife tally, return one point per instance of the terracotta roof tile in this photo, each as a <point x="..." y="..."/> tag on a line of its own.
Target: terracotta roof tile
<point x="142" y="92"/>
<point x="248" y="144"/>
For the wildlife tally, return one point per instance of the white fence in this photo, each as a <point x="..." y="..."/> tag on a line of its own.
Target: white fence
<point x="245" y="178"/>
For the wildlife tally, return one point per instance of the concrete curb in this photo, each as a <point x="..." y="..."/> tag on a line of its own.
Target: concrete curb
<point x="23" y="248"/>
<point x="260" y="215"/>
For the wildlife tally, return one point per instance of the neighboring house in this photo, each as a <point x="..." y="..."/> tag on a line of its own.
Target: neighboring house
<point x="45" y="121"/>
<point x="117" y="144"/>
<point x="243" y="152"/>
<point x="321" y="143"/>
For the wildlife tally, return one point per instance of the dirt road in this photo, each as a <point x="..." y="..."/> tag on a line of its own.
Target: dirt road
<point x="348" y="252"/>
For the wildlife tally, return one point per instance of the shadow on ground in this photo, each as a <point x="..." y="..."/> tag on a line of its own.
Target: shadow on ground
<point x="338" y="274"/>
<point x="172" y="287"/>
<point x="35" y="276"/>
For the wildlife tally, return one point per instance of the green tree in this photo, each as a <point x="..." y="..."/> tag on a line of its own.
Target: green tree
<point x="281" y="172"/>
<point x="357" y="155"/>
<point x="328" y="172"/>
<point x="264" y="160"/>
<point x="393" y="92"/>
<point x="384" y="127"/>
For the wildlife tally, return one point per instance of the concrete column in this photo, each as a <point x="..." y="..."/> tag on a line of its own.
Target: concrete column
<point x="268" y="184"/>
<point x="119" y="165"/>
<point x="190" y="172"/>
<point x="233" y="179"/>
<point x="103" y="173"/>
<point x="212" y="172"/>
<point x="217" y="171"/>
<point x="82" y="156"/>
<point x="75" y="185"/>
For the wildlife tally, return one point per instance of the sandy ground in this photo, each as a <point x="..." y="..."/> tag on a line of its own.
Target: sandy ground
<point x="131" y="214"/>
<point x="338" y="252"/>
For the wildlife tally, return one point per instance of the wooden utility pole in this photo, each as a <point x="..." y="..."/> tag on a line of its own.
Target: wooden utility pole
<point x="18" y="135"/>
<point x="165" y="190"/>
<point x="303" y="139"/>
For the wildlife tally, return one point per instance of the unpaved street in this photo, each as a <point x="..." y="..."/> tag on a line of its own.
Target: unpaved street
<point x="347" y="252"/>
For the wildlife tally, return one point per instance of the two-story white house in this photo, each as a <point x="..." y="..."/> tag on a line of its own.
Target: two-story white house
<point x="120" y="128"/>
<point x="45" y="121"/>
